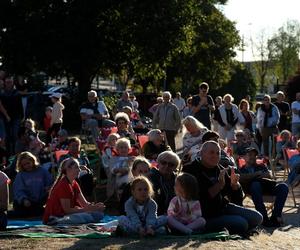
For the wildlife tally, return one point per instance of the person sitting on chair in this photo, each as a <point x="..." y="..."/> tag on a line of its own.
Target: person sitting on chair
<point x="257" y="181"/>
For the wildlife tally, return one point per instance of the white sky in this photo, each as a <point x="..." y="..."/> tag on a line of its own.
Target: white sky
<point x="253" y="16"/>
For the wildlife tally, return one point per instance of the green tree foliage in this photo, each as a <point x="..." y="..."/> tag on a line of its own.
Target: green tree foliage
<point x="149" y="40"/>
<point x="241" y="83"/>
<point x="284" y="49"/>
<point x="293" y="86"/>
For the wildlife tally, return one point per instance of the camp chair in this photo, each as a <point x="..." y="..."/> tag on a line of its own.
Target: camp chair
<point x="60" y="153"/>
<point x="288" y="153"/>
<point x="142" y="139"/>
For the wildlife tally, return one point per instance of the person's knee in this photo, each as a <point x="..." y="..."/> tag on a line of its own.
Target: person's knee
<point x="255" y="188"/>
<point x="282" y="188"/>
<point x="255" y="219"/>
<point x="239" y="225"/>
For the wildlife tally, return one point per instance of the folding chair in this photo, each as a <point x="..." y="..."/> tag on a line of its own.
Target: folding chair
<point x="288" y="153"/>
<point x="142" y="139"/>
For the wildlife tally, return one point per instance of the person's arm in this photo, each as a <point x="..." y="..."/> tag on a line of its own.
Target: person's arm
<point x="155" y="120"/>
<point x="132" y="215"/>
<point x="177" y="118"/>
<point x="210" y="103"/>
<point x="4" y="194"/>
<point x="19" y="189"/>
<point x="4" y="112"/>
<point x="152" y="214"/>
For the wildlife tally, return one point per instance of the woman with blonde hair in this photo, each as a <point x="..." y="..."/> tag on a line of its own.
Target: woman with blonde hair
<point x="66" y="203"/>
<point x="193" y="130"/>
<point x="31" y="186"/>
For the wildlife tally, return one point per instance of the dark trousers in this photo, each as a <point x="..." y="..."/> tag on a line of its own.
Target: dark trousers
<point x="280" y="191"/>
<point x="52" y="131"/>
<point x="266" y="133"/>
<point x="235" y="219"/>
<point x="36" y="209"/>
<point x="3" y="220"/>
<point x="171" y="134"/>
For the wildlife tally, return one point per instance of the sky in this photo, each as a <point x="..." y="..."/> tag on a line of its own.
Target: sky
<point x="254" y="16"/>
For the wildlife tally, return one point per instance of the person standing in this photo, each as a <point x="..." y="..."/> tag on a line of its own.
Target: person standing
<point x="203" y="105"/>
<point x="123" y="102"/>
<point x="296" y="116"/>
<point x="12" y="103"/>
<point x="167" y="119"/>
<point x="180" y="103"/>
<point x="284" y="110"/>
<point x="267" y="121"/>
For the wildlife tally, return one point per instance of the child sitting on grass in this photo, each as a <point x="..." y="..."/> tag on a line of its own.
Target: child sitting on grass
<point x="184" y="212"/>
<point x="140" y="167"/>
<point x="31" y="186"/>
<point x="141" y="211"/>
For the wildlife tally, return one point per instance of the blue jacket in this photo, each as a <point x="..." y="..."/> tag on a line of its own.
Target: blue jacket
<point x="146" y="218"/>
<point x="32" y="185"/>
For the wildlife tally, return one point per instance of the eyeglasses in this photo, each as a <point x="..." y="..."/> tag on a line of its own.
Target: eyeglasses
<point x="170" y="164"/>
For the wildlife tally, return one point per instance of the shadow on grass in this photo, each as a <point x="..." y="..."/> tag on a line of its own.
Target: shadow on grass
<point x="136" y="244"/>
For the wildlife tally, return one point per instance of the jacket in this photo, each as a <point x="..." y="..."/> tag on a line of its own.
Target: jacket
<point x="167" y="117"/>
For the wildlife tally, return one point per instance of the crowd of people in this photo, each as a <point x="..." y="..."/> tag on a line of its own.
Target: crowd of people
<point x="157" y="189"/>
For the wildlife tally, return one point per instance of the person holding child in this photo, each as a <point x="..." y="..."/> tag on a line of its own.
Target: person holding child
<point x="66" y="203"/>
<point x="141" y="211"/>
<point x="140" y="167"/>
<point x="220" y="193"/>
<point x="184" y="212"/>
<point x="31" y="186"/>
<point x="119" y="166"/>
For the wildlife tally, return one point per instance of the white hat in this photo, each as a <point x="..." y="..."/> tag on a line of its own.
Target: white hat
<point x="56" y="95"/>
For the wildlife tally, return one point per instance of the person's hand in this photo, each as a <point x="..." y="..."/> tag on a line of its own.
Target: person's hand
<point x="234" y="178"/>
<point x="150" y="231"/>
<point x="221" y="178"/>
<point x="142" y="232"/>
<point x="100" y="206"/>
<point x="26" y="203"/>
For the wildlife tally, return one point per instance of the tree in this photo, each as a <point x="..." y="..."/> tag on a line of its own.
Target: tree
<point x="284" y="47"/>
<point x="261" y="53"/>
<point x="241" y="83"/>
<point x="211" y="50"/>
<point x="293" y="86"/>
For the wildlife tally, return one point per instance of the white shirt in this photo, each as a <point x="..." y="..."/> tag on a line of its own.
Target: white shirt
<point x="295" y="118"/>
<point x="180" y="103"/>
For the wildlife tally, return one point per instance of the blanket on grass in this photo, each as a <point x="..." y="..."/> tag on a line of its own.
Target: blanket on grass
<point x="103" y="229"/>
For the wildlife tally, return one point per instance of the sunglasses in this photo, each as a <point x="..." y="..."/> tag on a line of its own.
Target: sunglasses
<point x="170" y="164"/>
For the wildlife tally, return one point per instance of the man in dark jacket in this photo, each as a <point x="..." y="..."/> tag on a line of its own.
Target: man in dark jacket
<point x="218" y="187"/>
<point x="257" y="181"/>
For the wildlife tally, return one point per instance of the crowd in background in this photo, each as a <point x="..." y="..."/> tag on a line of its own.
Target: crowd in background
<point x="157" y="185"/>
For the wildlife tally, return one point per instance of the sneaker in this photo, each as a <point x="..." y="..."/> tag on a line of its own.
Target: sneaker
<point x="272" y="222"/>
<point x="120" y="232"/>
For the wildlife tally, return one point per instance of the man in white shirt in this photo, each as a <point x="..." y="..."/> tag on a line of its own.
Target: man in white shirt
<point x="94" y="114"/>
<point x="180" y="103"/>
<point x="296" y="116"/>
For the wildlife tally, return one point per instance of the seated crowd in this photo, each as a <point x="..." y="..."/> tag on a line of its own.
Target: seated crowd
<point x="156" y="190"/>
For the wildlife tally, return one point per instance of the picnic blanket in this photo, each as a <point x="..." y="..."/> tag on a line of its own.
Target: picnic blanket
<point x="103" y="229"/>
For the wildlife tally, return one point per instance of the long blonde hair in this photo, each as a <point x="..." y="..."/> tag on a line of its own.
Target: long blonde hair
<point x="29" y="156"/>
<point x="66" y="163"/>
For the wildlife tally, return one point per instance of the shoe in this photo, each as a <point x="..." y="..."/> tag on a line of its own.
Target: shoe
<point x="272" y="222"/>
<point x="120" y="232"/>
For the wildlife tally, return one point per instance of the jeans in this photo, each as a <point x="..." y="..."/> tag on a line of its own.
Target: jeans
<point x="3" y="220"/>
<point x="280" y="191"/>
<point x="266" y="133"/>
<point x="76" y="218"/>
<point x="171" y="134"/>
<point x="235" y="219"/>
<point x="12" y="129"/>
<point x="131" y="228"/>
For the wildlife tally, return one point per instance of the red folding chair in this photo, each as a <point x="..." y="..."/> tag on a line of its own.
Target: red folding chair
<point x="287" y="154"/>
<point x="142" y="139"/>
